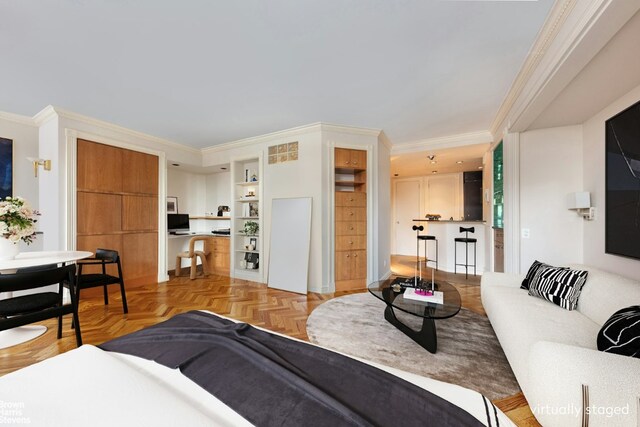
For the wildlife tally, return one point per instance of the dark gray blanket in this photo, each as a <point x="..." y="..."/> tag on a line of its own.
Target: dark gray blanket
<point x="274" y="381"/>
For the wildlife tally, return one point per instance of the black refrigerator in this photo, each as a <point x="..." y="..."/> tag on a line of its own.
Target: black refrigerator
<point x="472" y="182"/>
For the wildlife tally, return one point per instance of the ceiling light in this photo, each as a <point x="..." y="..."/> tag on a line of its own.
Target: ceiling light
<point x="223" y="168"/>
<point x="459" y="162"/>
<point x="175" y="164"/>
<point x="434" y="171"/>
<point x="433" y="162"/>
<point x="479" y="167"/>
<point x="431" y="156"/>
<point x="395" y="174"/>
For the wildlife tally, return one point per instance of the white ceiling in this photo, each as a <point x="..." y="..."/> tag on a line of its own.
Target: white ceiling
<point x="418" y="164"/>
<point x="205" y="72"/>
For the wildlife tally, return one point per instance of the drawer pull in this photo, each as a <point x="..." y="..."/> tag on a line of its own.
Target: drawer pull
<point x="351" y="199"/>
<point x="350" y="213"/>
<point x="355" y="255"/>
<point x="347" y="162"/>
<point x="348" y="255"/>
<point x="351" y="227"/>
<point x="351" y="243"/>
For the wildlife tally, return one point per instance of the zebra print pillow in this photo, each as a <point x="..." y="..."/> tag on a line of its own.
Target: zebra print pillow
<point x="559" y="285"/>
<point x="532" y="272"/>
<point x="621" y="333"/>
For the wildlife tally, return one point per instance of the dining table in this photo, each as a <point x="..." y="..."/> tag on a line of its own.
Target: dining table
<point x="22" y="334"/>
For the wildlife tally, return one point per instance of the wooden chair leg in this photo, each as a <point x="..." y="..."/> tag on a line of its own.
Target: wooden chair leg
<point x="178" y="266"/>
<point x="106" y="295"/>
<point x="194" y="265"/>
<point x="205" y="266"/>
<point x="124" y="297"/>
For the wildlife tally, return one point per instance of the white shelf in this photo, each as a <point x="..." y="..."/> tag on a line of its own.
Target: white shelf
<point x="253" y="199"/>
<point x="247" y="252"/>
<point x="248" y="217"/>
<point x="247" y="235"/>
<point x="248" y="184"/>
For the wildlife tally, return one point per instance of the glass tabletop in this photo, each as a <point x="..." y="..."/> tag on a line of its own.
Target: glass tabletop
<point x="451" y="306"/>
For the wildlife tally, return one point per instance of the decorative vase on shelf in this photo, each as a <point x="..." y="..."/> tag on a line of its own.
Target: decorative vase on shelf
<point x="8" y="249"/>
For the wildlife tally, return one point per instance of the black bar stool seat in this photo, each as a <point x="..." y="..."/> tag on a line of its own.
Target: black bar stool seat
<point x="426" y="237"/>
<point x="467" y="241"/>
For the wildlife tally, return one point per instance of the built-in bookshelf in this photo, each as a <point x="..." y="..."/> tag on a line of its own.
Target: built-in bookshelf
<point x="247" y="212"/>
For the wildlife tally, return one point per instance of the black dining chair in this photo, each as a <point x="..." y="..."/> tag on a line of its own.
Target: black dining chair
<point x="26" y="309"/>
<point x="103" y="258"/>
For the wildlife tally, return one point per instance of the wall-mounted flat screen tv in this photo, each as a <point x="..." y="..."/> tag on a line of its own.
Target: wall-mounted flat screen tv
<point x="622" y="213"/>
<point x="177" y="222"/>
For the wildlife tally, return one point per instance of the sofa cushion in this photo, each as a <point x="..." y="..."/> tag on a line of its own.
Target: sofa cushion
<point x="621" y="333"/>
<point x="605" y="293"/>
<point x="520" y="321"/>
<point x="559" y="285"/>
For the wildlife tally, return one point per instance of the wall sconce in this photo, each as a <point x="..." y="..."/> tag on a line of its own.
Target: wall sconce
<point x="581" y="203"/>
<point x="46" y="164"/>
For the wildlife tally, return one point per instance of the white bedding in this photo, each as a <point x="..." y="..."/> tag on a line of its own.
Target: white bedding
<point x="88" y="386"/>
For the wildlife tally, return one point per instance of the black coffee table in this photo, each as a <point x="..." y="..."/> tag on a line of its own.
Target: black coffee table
<point x="429" y="312"/>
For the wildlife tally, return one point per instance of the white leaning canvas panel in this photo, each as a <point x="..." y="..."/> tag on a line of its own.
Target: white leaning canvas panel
<point x="290" y="244"/>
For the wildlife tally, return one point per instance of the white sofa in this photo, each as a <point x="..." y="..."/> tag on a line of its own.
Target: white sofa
<point x="553" y="351"/>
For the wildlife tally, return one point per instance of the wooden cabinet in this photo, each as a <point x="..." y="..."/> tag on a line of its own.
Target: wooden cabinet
<point x="117" y="207"/>
<point x="219" y="255"/>
<point x="350" y="159"/>
<point x="350" y="218"/>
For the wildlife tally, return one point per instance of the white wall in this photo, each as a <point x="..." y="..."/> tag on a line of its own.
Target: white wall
<point x="190" y="189"/>
<point x="301" y="178"/>
<point x="383" y="230"/>
<point x="25" y="144"/>
<point x="25" y="184"/>
<point x="594" y="182"/>
<point x="218" y="191"/>
<point x="550" y="169"/>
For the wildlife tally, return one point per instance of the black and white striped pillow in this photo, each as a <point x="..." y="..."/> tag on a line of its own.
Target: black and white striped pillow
<point x="621" y="333"/>
<point x="532" y="272"/>
<point x="559" y="285"/>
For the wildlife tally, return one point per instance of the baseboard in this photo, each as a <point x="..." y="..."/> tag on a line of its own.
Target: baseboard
<point x="386" y="275"/>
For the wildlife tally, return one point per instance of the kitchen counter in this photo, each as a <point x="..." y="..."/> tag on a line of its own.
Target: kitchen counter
<point x="450" y="220"/>
<point x="445" y="231"/>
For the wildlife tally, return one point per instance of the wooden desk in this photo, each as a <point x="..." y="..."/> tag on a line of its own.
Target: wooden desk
<point x="22" y="334"/>
<point x="217" y="246"/>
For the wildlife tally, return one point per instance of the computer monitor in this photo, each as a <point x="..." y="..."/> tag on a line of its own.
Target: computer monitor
<point x="177" y="222"/>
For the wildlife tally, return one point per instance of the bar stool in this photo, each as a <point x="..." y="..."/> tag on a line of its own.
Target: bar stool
<point x="466" y="240"/>
<point x="426" y="238"/>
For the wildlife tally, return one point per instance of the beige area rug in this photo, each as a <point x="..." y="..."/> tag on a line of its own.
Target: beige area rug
<point x="468" y="351"/>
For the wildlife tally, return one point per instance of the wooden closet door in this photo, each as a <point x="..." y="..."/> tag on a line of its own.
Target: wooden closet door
<point x="117" y="207"/>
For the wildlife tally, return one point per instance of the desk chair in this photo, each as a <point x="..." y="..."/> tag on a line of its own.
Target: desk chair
<point x="193" y="256"/>
<point x="103" y="258"/>
<point x="27" y="309"/>
<point x="467" y="241"/>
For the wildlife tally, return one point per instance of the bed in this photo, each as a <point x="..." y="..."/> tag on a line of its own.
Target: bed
<point x="257" y="377"/>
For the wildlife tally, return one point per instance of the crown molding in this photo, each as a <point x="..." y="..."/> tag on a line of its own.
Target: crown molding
<point x="460" y="140"/>
<point x="291" y="133"/>
<point x="50" y="111"/>
<point x="353" y="130"/>
<point x="546" y="36"/>
<point x="314" y="127"/>
<point x="17" y="118"/>
<point x="384" y="139"/>
<point x="572" y="35"/>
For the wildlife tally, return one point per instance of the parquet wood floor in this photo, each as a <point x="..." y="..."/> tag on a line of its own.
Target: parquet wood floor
<point x="272" y="309"/>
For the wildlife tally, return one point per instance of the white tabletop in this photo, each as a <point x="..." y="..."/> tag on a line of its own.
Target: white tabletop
<point x="36" y="258"/>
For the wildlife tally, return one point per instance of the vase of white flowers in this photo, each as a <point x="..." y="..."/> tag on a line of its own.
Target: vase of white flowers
<point x="17" y="222"/>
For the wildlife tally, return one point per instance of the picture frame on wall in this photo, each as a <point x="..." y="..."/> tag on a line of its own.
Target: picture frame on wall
<point x="6" y="168"/>
<point x="172" y="205"/>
